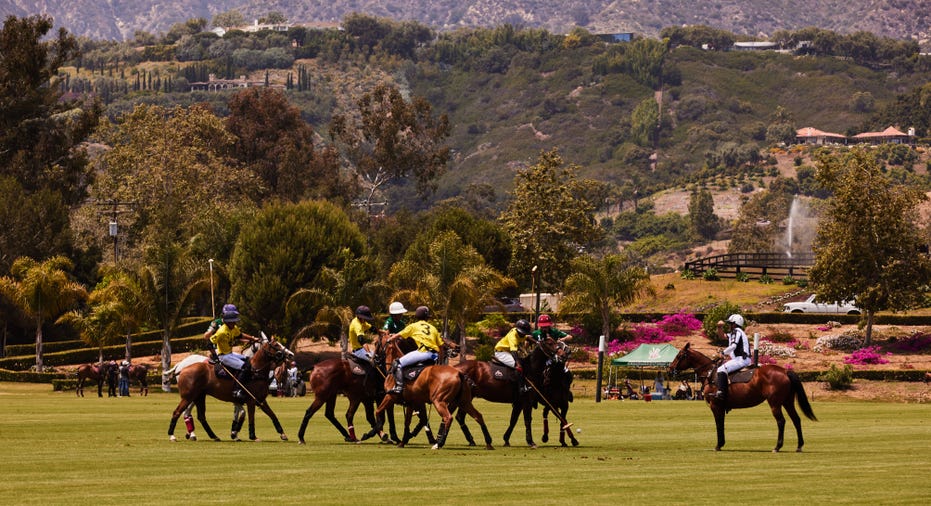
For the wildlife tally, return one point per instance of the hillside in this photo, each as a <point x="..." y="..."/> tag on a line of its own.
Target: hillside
<point x="757" y="18"/>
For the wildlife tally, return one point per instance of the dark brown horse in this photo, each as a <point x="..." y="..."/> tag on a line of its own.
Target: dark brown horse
<point x="336" y="376"/>
<point x="198" y="380"/>
<point x="486" y="384"/>
<point x="771" y="383"/>
<point x="441" y="385"/>
<point x="94" y="372"/>
<point x="556" y="393"/>
<point x="140" y="373"/>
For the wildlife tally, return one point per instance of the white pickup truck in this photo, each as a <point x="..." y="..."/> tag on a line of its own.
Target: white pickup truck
<point x="810" y="305"/>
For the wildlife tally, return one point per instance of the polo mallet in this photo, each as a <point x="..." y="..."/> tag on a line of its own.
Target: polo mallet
<point x="565" y="424"/>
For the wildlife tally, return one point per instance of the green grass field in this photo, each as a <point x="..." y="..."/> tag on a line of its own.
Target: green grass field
<point x="59" y="449"/>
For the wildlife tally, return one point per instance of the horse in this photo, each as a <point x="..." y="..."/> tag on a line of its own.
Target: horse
<point x="774" y="384"/>
<point x="488" y="385"/>
<point x="198" y="380"/>
<point x="95" y="372"/>
<point x="556" y="393"/>
<point x="140" y="373"/>
<point x="443" y="386"/>
<point x="336" y="376"/>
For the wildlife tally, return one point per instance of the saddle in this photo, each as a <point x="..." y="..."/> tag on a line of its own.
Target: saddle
<point x="502" y="372"/>
<point x="742" y="375"/>
<point x="359" y="366"/>
<point x="412" y="371"/>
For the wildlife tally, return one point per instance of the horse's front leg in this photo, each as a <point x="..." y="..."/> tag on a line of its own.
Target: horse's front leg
<point x="350" y="416"/>
<point x="718" y="412"/>
<point x="271" y="414"/>
<point x="546" y="425"/>
<point x="460" y="419"/>
<point x="181" y="409"/>
<point x="201" y="404"/>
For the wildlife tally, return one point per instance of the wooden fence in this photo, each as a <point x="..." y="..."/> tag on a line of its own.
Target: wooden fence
<point x="774" y="264"/>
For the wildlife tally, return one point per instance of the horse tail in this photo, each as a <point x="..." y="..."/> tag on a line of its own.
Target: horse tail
<point x="465" y="391"/>
<point x="800" y="395"/>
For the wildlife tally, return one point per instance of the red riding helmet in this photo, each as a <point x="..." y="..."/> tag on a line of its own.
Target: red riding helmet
<point x="544" y="321"/>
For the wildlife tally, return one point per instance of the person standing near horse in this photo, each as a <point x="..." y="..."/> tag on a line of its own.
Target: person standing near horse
<point x="428" y="342"/>
<point x="737" y="351"/>
<point x="358" y="327"/>
<point x="508" y="346"/>
<point x="124" y="379"/>
<point x="395" y="321"/>
<point x="223" y="339"/>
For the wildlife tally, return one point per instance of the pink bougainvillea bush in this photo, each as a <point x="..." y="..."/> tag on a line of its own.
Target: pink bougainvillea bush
<point x="868" y="355"/>
<point x="679" y="324"/>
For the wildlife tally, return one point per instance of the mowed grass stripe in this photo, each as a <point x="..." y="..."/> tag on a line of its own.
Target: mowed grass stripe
<point x="59" y="449"/>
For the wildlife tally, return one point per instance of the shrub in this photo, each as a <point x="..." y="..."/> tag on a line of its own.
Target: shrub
<point x="687" y="274"/>
<point x="866" y="356"/>
<point x="780" y="336"/>
<point x="679" y="324"/>
<point x="916" y="342"/>
<point x="713" y="316"/>
<point x="838" y="379"/>
<point x="743" y="277"/>
<point x="484" y="352"/>
<point x="710" y="275"/>
<point x="849" y="340"/>
<point x="766" y="279"/>
<point x="788" y="280"/>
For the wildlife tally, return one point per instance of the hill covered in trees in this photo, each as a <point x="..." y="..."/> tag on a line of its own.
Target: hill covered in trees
<point x="898" y="19"/>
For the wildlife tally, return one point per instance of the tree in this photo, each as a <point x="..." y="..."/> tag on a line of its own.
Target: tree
<point x="392" y="139"/>
<point x="448" y="276"/>
<point x="283" y="249"/>
<point x="44" y="291"/>
<point x="43" y="167"/>
<point x="602" y="286"/>
<point x="868" y="245"/>
<point x="274" y="141"/>
<point x="548" y="221"/>
<point x="644" y="123"/>
<point x="704" y="223"/>
<point x="229" y="19"/>
<point x="755" y="230"/>
<point x="335" y="294"/>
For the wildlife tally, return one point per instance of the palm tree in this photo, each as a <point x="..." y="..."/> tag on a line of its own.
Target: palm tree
<point x="43" y="291"/>
<point x="333" y="298"/>
<point x="602" y="285"/>
<point x="173" y="279"/>
<point x="118" y="307"/>
<point x="451" y="277"/>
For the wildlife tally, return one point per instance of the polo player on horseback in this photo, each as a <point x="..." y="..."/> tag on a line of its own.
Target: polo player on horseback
<point x="428" y="342"/>
<point x="224" y="338"/>
<point x="738" y="351"/>
<point x="358" y="327"/>
<point x="507" y="347"/>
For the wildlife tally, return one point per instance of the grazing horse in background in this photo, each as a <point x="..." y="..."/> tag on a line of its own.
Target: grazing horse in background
<point x="198" y="380"/>
<point x="140" y="373"/>
<point x="557" y="391"/>
<point x="441" y="385"/>
<point x="490" y="381"/>
<point x="336" y="376"/>
<point x="771" y="383"/>
<point x="95" y="372"/>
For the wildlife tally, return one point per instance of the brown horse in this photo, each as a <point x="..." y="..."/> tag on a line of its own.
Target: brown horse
<point x="140" y="373"/>
<point x="335" y="376"/>
<point x="556" y="393"/>
<point x="487" y="386"/>
<point x="771" y="383"/>
<point x="441" y="385"/>
<point x="94" y="372"/>
<point x="198" y="380"/>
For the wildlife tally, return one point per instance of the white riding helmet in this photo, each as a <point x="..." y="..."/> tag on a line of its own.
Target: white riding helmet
<point x="396" y="308"/>
<point x="736" y="319"/>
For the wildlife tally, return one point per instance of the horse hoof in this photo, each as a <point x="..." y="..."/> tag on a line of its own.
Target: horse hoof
<point x="284" y="437"/>
<point x="717" y="448"/>
<point x="533" y="447"/>
<point x="798" y="450"/>
<point x="301" y="442"/>
<point x="435" y="447"/>
<point x="775" y="450"/>
<point x="506" y="444"/>
<point x="193" y="437"/>
<point x="172" y="439"/>
<point x="489" y="447"/>
<point x="187" y="436"/>
<point x="575" y="443"/>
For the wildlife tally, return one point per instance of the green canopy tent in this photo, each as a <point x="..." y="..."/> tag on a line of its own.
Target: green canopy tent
<point x="653" y="356"/>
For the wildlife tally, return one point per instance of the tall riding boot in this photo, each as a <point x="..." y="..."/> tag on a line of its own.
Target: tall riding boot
<point x="721" y="382"/>
<point x="243" y="376"/>
<point x="398" y="378"/>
